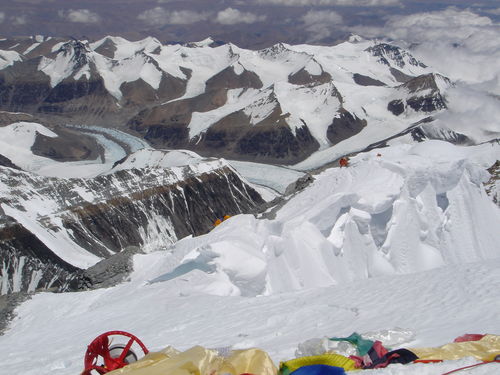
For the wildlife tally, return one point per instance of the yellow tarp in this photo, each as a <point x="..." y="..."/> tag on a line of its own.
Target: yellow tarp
<point x="485" y="350"/>
<point x="201" y="361"/>
<point x="329" y="359"/>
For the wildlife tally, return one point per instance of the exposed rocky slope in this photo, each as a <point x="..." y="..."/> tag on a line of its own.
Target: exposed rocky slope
<point x="50" y="227"/>
<point x="493" y="184"/>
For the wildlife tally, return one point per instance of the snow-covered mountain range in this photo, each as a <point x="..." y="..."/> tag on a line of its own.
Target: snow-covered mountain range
<point x="279" y="104"/>
<point x="111" y="172"/>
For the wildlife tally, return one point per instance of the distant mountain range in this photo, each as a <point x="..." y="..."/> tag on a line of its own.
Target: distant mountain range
<point x="275" y="105"/>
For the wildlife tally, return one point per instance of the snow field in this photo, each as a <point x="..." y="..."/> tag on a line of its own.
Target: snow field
<point x="436" y="305"/>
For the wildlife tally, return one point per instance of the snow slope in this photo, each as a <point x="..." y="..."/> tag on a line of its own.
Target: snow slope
<point x="407" y="239"/>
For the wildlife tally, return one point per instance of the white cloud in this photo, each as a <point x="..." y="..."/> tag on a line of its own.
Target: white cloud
<point x="330" y="2"/>
<point x="231" y="16"/>
<point x="463" y="46"/>
<point x="320" y="24"/>
<point x="450" y="23"/>
<point x="329" y="17"/>
<point x="79" y="15"/>
<point x="19" y="20"/>
<point x="459" y="43"/>
<point x="496" y="12"/>
<point x="159" y="16"/>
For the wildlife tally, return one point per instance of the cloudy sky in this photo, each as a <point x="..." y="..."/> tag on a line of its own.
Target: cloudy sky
<point x="248" y="23"/>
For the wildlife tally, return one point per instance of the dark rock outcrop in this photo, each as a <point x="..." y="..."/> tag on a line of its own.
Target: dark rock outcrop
<point x="166" y="125"/>
<point x="6" y="162"/>
<point x="107" y="48"/>
<point x="400" y="76"/>
<point x="271" y="140"/>
<point x="363" y="80"/>
<point x="344" y="126"/>
<point x="228" y="79"/>
<point x="304" y="78"/>
<point x="422" y="94"/>
<point x="108" y="272"/>
<point x="7" y="118"/>
<point x="139" y="93"/>
<point x="396" y="106"/>
<point x="23" y="87"/>
<point x="388" y="53"/>
<point x="29" y="264"/>
<point x="492" y="186"/>
<point x="68" y="146"/>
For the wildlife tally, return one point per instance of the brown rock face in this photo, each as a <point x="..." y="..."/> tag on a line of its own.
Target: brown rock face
<point x="22" y="87"/>
<point x="366" y="81"/>
<point x="68" y="146"/>
<point x="228" y="79"/>
<point x="344" y="126"/>
<point x="7" y="118"/>
<point x="6" y="162"/>
<point x="426" y="96"/>
<point x="166" y="125"/>
<point x="269" y="141"/>
<point x="304" y="78"/>
<point x="108" y="49"/>
<point x="140" y="93"/>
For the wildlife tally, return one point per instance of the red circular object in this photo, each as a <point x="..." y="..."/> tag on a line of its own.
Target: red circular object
<point x="100" y="347"/>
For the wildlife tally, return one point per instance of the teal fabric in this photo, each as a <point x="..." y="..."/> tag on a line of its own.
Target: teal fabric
<point x="361" y="344"/>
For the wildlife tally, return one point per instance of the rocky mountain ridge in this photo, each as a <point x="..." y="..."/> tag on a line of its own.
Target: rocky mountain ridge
<point x="50" y="228"/>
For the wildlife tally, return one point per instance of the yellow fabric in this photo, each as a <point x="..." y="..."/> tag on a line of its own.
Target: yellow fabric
<point x="252" y="361"/>
<point x="200" y="361"/>
<point x="329" y="359"/>
<point x="485" y="350"/>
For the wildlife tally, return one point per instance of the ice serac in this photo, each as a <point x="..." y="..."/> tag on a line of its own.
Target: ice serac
<point x="397" y="210"/>
<point x="50" y="227"/>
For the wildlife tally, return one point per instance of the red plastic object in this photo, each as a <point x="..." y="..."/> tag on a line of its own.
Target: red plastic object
<point x="469" y="337"/>
<point x="471" y="366"/>
<point x="100" y="347"/>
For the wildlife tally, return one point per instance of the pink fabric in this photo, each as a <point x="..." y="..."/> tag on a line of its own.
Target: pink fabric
<point x="358" y="361"/>
<point x="469" y="337"/>
<point x="379" y="349"/>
